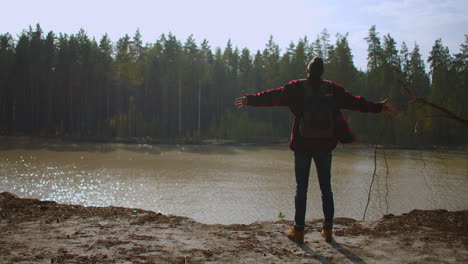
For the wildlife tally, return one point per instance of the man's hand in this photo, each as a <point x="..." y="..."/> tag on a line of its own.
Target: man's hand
<point x="388" y="109"/>
<point x="241" y="101"/>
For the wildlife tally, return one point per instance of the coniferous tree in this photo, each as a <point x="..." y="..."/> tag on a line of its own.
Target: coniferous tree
<point x="375" y="85"/>
<point x="7" y="57"/>
<point x="417" y="76"/>
<point x="392" y="71"/>
<point x="285" y="69"/>
<point x="47" y="111"/>
<point x="405" y="60"/>
<point x="245" y="69"/>
<point x="460" y="67"/>
<point x="461" y="70"/>
<point x="21" y="79"/>
<point x="441" y="77"/>
<point x="325" y="44"/>
<point x="104" y="82"/>
<point x="374" y="51"/>
<point x="341" y="67"/>
<point x="299" y="59"/>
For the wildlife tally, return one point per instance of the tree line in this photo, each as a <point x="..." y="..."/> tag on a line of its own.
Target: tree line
<point x="60" y="85"/>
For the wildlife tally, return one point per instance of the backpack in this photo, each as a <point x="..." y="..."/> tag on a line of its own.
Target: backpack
<point x="317" y="120"/>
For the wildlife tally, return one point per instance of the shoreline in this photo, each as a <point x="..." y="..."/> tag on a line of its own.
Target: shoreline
<point x="35" y="231"/>
<point x="18" y="140"/>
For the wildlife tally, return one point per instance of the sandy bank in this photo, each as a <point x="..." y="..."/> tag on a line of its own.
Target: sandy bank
<point x="34" y="231"/>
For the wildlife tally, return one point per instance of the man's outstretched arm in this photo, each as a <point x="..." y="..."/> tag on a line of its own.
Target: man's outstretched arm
<point x="273" y="97"/>
<point x="357" y="103"/>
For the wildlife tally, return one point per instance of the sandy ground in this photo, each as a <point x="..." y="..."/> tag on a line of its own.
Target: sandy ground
<point x="34" y="231"/>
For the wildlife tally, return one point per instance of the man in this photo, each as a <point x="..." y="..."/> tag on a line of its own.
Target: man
<point x="299" y="96"/>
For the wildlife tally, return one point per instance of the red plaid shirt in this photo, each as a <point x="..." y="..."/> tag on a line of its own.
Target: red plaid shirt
<point x="292" y="96"/>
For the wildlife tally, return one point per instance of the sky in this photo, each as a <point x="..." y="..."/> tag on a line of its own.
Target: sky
<point x="249" y="23"/>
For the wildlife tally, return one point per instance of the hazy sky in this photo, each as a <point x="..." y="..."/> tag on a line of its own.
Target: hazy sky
<point x="249" y="23"/>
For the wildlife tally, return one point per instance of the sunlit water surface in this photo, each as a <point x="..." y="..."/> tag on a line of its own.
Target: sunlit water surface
<point x="232" y="184"/>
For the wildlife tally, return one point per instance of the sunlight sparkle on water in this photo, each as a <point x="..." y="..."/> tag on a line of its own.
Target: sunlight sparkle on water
<point x="231" y="184"/>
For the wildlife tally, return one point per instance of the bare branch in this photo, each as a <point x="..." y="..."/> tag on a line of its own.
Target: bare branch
<point x="374" y="174"/>
<point x="447" y="113"/>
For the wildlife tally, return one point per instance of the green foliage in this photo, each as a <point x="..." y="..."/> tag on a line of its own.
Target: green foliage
<point x="281" y="215"/>
<point x="72" y="85"/>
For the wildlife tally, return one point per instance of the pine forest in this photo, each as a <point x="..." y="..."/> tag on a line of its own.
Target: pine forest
<point x="73" y="86"/>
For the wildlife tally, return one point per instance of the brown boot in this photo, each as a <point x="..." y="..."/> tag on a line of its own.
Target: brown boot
<point x="327" y="233"/>
<point x="296" y="234"/>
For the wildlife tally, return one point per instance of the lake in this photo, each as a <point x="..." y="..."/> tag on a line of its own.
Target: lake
<point x="231" y="184"/>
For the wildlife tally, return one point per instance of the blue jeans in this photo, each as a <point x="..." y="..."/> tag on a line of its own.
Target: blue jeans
<point x="302" y="162"/>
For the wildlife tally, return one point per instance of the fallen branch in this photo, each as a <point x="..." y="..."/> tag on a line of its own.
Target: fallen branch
<point x="447" y="113"/>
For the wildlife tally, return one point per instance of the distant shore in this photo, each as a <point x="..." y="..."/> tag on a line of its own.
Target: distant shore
<point x="18" y="140"/>
<point x="34" y="231"/>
